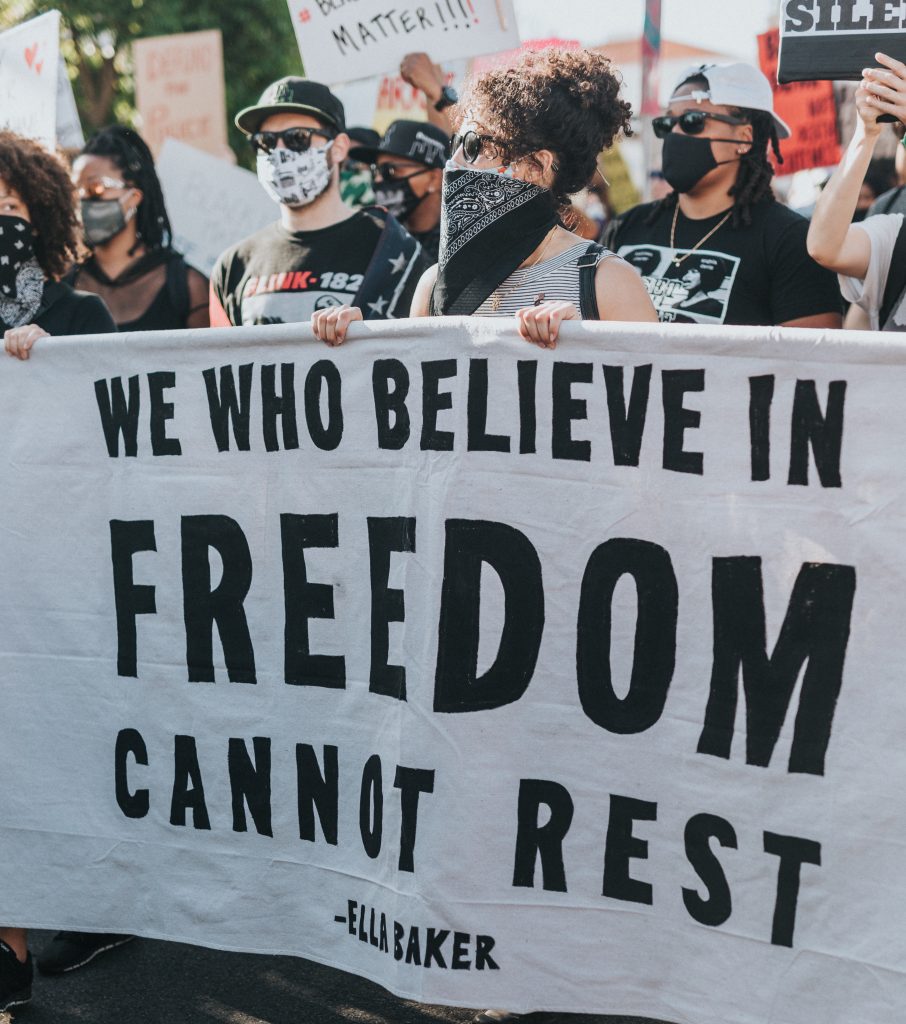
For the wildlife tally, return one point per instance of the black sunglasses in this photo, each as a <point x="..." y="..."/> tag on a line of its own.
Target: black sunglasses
<point x="296" y="139"/>
<point x="396" y="172"/>
<point x="472" y="144"/>
<point x="691" y="122"/>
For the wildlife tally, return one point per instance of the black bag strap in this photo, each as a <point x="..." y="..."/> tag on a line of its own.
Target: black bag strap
<point x="896" y="277"/>
<point x="588" y="266"/>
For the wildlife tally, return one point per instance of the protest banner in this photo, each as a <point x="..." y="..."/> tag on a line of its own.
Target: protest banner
<point x="211" y="204"/>
<point x="809" y="108"/>
<point x="836" y="39"/>
<point x="564" y="680"/>
<point x="340" y="42"/>
<point x="179" y="90"/>
<point x="29" y="61"/>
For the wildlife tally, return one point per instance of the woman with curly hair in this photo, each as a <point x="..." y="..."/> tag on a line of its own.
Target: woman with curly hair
<point x="529" y="137"/>
<point x="145" y="283"/>
<point x="39" y="241"/>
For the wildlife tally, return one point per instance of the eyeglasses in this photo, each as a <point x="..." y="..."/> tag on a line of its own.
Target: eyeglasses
<point x="296" y="139"/>
<point x="396" y="172"/>
<point x="691" y="122"/>
<point x="96" y="188"/>
<point x="474" y="145"/>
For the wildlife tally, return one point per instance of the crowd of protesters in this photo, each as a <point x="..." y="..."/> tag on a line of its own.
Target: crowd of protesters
<point x="421" y="224"/>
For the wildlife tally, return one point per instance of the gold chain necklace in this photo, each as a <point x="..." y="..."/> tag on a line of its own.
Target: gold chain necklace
<point x="678" y="261"/>
<point x="500" y="293"/>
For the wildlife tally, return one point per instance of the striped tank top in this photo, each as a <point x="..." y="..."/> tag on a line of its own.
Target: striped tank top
<point x="556" y="279"/>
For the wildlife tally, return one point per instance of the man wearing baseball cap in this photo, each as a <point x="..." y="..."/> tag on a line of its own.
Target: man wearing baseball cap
<point x="321" y="252"/>
<point x="718" y="128"/>
<point x="408" y="174"/>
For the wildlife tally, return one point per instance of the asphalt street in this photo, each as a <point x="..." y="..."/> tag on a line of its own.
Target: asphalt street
<point x="148" y="982"/>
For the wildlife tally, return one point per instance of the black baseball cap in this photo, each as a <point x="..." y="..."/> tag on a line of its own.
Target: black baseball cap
<point x="419" y="141"/>
<point x="293" y="95"/>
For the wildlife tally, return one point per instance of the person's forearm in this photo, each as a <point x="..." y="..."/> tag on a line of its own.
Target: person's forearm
<point x="440" y="118"/>
<point x="837" y="203"/>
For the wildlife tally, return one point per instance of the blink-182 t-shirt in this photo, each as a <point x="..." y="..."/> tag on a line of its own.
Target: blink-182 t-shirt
<point x="277" y="276"/>
<point x="754" y="274"/>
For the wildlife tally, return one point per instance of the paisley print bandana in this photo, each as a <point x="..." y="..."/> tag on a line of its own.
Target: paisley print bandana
<point x="21" y="277"/>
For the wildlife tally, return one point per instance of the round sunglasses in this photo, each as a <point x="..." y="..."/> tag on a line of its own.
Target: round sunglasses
<point x="691" y="122"/>
<point x="296" y="139"/>
<point x="472" y="145"/>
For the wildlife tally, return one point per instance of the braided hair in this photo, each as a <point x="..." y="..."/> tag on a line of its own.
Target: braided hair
<point x="129" y="151"/>
<point x="753" y="181"/>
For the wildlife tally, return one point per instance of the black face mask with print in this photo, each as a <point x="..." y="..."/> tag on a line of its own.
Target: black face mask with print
<point x="686" y="159"/>
<point x="397" y="196"/>
<point x="21" y="277"/>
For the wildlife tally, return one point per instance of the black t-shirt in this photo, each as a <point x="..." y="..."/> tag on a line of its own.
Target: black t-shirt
<point x="759" y="273"/>
<point x="63" y="311"/>
<point x="278" y="276"/>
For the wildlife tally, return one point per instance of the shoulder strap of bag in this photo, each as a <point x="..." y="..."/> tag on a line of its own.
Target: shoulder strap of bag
<point x="588" y="266"/>
<point x="896" y="276"/>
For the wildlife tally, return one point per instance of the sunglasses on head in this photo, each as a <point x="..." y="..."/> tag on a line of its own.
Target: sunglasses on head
<point x="472" y="144"/>
<point x="691" y="122"/>
<point x="296" y="139"/>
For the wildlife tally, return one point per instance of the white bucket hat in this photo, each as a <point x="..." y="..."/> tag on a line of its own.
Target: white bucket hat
<point x="734" y="85"/>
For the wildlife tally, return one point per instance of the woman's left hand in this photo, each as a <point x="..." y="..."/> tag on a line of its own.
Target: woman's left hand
<point x="541" y="324"/>
<point x="19" y="340"/>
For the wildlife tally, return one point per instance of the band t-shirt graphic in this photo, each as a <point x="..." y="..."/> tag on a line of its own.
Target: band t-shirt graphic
<point x="277" y="276"/>
<point x="758" y="273"/>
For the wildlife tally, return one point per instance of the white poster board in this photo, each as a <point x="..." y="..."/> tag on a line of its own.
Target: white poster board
<point x="179" y="90"/>
<point x="69" y="126"/>
<point x="29" y="63"/>
<point x="211" y="204"/>
<point x="563" y="680"/>
<point x="341" y="42"/>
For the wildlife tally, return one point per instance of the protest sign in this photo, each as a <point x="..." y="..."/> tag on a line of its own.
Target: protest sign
<point x="566" y="680"/>
<point x="836" y="39"/>
<point x="29" y="61"/>
<point x="211" y="204"/>
<point x="809" y="108"/>
<point x="340" y="42"/>
<point x="69" y="126"/>
<point x="179" y="90"/>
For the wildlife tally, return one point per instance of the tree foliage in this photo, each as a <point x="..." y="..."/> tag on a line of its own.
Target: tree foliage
<point x="258" y="47"/>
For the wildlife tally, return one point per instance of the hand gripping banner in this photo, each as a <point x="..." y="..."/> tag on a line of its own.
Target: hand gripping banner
<point x="565" y="680"/>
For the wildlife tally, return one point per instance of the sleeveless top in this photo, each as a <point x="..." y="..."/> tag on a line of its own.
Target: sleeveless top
<point x="555" y="280"/>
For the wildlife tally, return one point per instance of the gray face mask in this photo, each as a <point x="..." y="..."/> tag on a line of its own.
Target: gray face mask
<point x="103" y="219"/>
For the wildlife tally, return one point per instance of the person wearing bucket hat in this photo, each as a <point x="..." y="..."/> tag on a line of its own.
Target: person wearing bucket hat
<point x="408" y="168"/>
<point x="321" y="252"/>
<point x="718" y="128"/>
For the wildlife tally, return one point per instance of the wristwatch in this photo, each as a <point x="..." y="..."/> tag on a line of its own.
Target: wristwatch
<point x="448" y="96"/>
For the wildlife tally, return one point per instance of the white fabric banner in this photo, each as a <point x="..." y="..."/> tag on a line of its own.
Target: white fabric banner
<point x="421" y="658"/>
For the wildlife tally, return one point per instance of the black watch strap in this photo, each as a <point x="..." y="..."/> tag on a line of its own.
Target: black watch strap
<point x="448" y="96"/>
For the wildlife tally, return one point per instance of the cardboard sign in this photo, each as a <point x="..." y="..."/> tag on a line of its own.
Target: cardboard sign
<point x="179" y="90"/>
<point x="809" y="108"/>
<point x="836" y="39"/>
<point x="29" y="62"/>
<point x="212" y="204"/>
<point x="340" y="42"/>
<point x="566" y="680"/>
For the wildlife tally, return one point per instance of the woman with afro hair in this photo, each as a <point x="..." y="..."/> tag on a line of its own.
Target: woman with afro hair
<point x="528" y="138"/>
<point x="40" y="239"/>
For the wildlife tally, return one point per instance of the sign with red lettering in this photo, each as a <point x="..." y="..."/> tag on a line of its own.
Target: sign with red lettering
<point x="809" y="108"/>
<point x="342" y="42"/>
<point x="179" y="90"/>
<point x="29" y="61"/>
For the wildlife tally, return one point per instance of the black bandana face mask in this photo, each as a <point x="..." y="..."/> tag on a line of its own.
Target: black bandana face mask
<point x="686" y="159"/>
<point x="21" y="277"/>
<point x="490" y="224"/>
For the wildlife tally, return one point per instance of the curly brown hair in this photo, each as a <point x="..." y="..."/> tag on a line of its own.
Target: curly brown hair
<point x="42" y="180"/>
<point x="567" y="101"/>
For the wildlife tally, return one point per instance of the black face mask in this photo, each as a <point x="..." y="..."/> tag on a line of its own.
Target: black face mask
<point x="21" y="277"/>
<point x="397" y="195"/>
<point x="686" y="159"/>
<point x="102" y="219"/>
